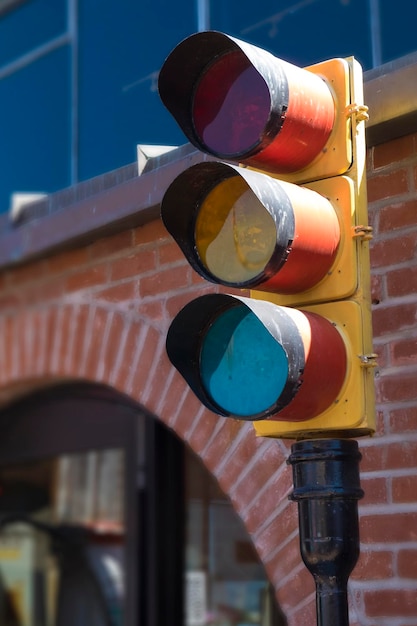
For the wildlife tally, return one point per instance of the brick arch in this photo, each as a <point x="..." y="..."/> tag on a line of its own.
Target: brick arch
<point x="92" y="342"/>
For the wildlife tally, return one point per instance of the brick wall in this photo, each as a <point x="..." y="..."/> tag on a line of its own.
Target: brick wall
<point x="384" y="585"/>
<point x="100" y="313"/>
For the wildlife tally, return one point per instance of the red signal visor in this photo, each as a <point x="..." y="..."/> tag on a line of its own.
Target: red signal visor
<point x="240" y="103"/>
<point x="252" y="359"/>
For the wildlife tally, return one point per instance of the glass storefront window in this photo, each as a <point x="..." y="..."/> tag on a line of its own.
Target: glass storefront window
<point x="26" y="25"/>
<point x="225" y="582"/>
<point x="35" y="126"/>
<point x="62" y="534"/>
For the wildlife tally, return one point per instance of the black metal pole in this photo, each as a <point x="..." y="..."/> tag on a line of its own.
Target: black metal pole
<point x="327" y="489"/>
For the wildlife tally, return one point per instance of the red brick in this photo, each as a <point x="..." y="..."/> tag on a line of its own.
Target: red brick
<point x="135" y="335"/>
<point x="271" y="460"/>
<point x="174" y="396"/>
<point x="374" y="565"/>
<point x="28" y="273"/>
<point x="401" y="454"/>
<point x="7" y="364"/>
<point x="143" y="366"/>
<point x="373" y="458"/>
<point x="386" y="252"/>
<point x="25" y="338"/>
<point x="214" y="454"/>
<point x="398" y="388"/>
<point x="157" y="382"/>
<point x="76" y="347"/>
<point x="10" y="300"/>
<point x="398" y="215"/>
<point x="236" y="460"/>
<point x="389" y="319"/>
<point x="284" y="560"/>
<point x="391" y="603"/>
<point x="380" y="422"/>
<point x="404" y="351"/>
<point x="375" y="490"/>
<point x="188" y="413"/>
<point x="169" y="253"/>
<point x="41" y="340"/>
<point x="275" y="533"/>
<point x="381" y="349"/>
<point x="41" y="292"/>
<point x="197" y="280"/>
<point x="95" y="345"/>
<point x="296" y="590"/>
<point x="265" y="505"/>
<point x="153" y="311"/>
<point x="165" y="281"/>
<point x="271" y="464"/>
<point x="37" y="318"/>
<point x="391" y="527"/>
<point x="134" y="264"/>
<point x="387" y="185"/>
<point x="304" y="614"/>
<point x="403" y="420"/>
<point x="402" y="282"/>
<point x="377" y="293"/>
<point x="394" y="151"/>
<point x="201" y="430"/>
<point x="404" y="489"/>
<point x="113" y="345"/>
<point x="407" y="563"/>
<point x="85" y="278"/>
<point x="117" y="293"/>
<point x="64" y="338"/>
<point x="50" y="337"/>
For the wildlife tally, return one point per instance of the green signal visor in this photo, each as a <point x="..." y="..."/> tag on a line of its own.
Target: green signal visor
<point x="241" y="357"/>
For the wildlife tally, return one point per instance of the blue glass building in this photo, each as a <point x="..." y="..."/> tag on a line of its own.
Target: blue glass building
<point x="78" y="80"/>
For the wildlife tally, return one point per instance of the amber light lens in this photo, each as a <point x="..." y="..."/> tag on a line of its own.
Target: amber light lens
<point x="231" y="106"/>
<point x="235" y="235"/>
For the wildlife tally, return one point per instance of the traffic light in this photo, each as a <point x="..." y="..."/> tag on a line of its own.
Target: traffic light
<point x="281" y="211"/>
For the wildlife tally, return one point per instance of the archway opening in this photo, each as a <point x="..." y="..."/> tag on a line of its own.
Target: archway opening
<point x="108" y="519"/>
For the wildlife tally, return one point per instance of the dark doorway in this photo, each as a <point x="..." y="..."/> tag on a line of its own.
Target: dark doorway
<point x="90" y="512"/>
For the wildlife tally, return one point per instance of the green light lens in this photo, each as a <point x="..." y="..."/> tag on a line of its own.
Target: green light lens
<point x="235" y="235"/>
<point x="243" y="368"/>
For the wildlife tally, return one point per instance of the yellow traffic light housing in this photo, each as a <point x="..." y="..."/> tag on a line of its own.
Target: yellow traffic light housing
<point x="287" y="220"/>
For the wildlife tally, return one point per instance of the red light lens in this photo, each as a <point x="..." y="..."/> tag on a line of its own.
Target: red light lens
<point x="231" y="106"/>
